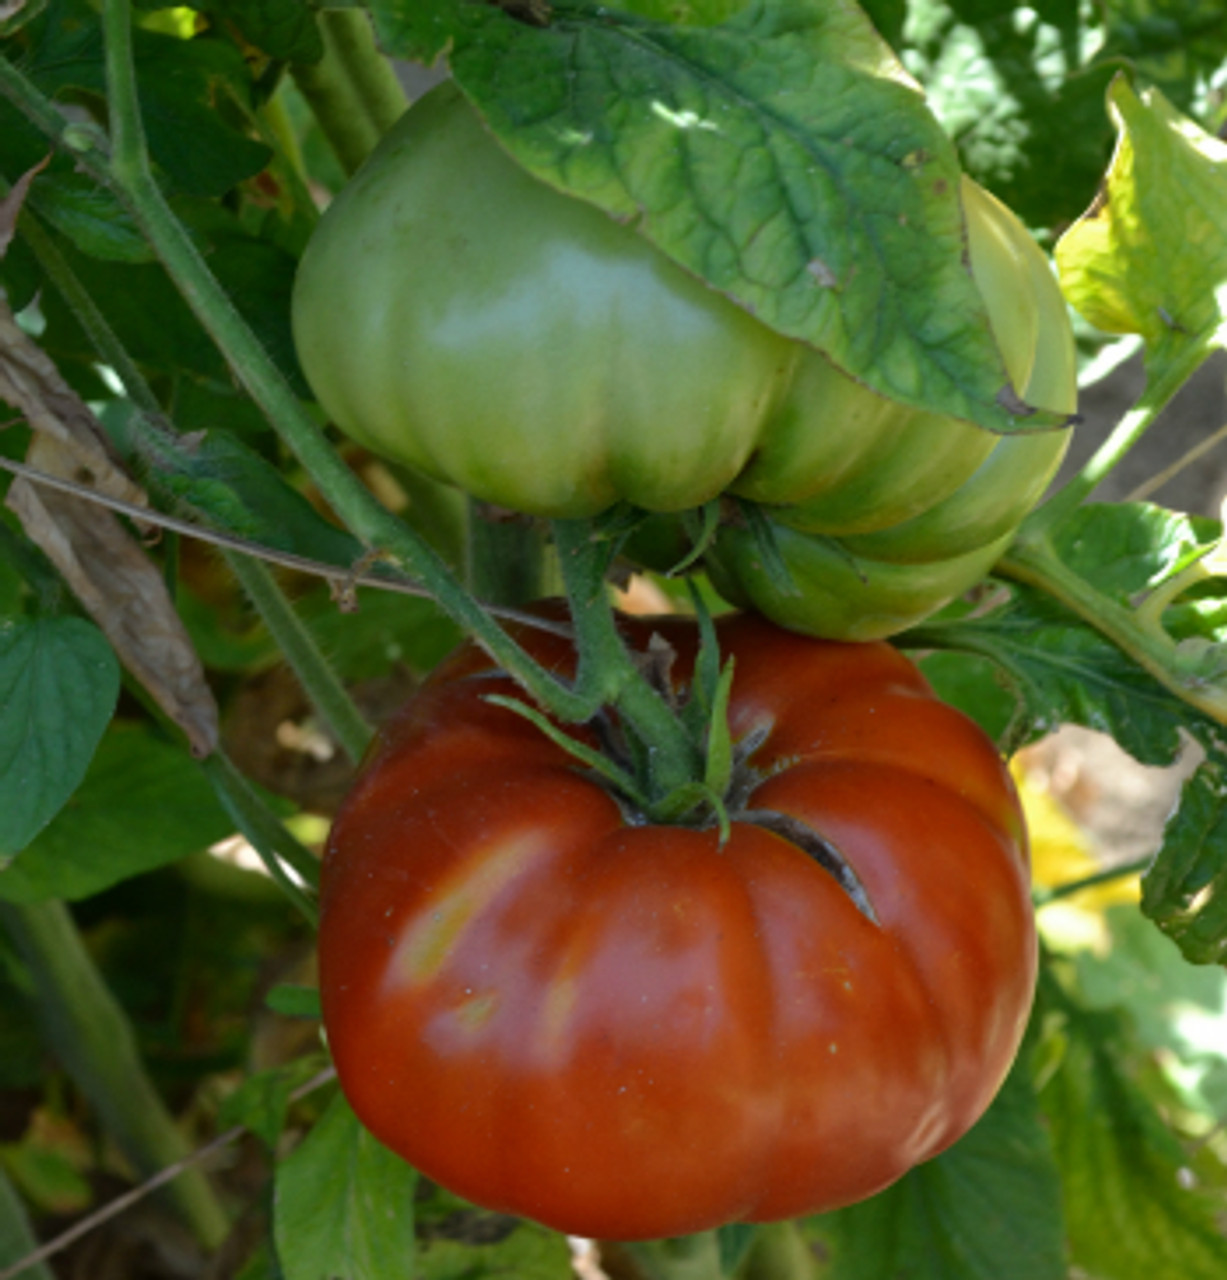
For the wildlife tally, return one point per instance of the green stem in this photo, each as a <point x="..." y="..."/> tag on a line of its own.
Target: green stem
<point x="90" y="1034"/>
<point x="608" y="674"/>
<point x="505" y="558"/>
<point x="1033" y="560"/>
<point x="326" y="692"/>
<point x="1172" y="374"/>
<point x="348" y="32"/>
<point x="267" y="834"/>
<point x="1044" y="896"/>
<point x="358" y="509"/>
<point x="336" y="103"/>
<point x="16" y="1238"/>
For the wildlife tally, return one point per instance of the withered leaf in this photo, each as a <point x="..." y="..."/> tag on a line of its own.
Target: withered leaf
<point x="102" y="562"/>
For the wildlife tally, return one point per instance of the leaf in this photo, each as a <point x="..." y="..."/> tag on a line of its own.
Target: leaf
<point x="1064" y="672"/>
<point x="237" y="491"/>
<point x="1178" y="1010"/>
<point x="105" y="567"/>
<point x="343" y="1205"/>
<point x="458" y="1241"/>
<point x="90" y="217"/>
<point x="1150" y="255"/>
<point x="294" y="1002"/>
<point x="284" y="29"/>
<point x="1185" y="891"/>
<point x="11" y="205"/>
<point x="262" y="1101"/>
<point x="1130" y="1210"/>
<point x="143" y="804"/>
<point x="193" y="94"/>
<point x="59" y="683"/>
<point x="1018" y="89"/>
<point x="782" y="156"/>
<point x="987" y="1209"/>
<point x="122" y="590"/>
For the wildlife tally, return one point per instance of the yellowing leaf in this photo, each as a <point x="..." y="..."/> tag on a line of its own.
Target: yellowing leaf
<point x="1150" y="254"/>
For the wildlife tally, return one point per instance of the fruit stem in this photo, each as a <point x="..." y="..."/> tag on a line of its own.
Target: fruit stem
<point x="609" y="675"/>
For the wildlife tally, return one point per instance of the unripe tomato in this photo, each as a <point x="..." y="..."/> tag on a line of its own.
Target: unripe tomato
<point x="456" y="314"/>
<point x="867" y="569"/>
<point x="629" y="1030"/>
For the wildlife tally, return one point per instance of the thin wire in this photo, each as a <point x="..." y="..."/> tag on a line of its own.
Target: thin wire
<point x="346" y="579"/>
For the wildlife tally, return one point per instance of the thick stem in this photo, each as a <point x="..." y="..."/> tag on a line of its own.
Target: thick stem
<point x="89" y="1033"/>
<point x="505" y="558"/>
<point x="335" y="102"/>
<point x="607" y="672"/>
<point x="1034" y="561"/>
<point x="358" y="509"/>
<point x="349" y="34"/>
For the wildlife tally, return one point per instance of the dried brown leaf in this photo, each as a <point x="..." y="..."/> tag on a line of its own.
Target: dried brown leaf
<point x="102" y="562"/>
<point x="10" y="206"/>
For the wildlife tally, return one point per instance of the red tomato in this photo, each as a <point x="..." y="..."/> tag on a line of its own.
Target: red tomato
<point x="625" y="1030"/>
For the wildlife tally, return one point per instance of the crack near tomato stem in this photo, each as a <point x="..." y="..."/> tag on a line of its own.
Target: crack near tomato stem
<point x="818" y="847"/>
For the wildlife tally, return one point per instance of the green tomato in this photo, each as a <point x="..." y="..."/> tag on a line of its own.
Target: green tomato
<point x="455" y="314"/>
<point x="865" y="573"/>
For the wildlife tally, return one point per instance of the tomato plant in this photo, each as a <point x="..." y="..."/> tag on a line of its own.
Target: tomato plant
<point x="715" y="286"/>
<point x="633" y="1030"/>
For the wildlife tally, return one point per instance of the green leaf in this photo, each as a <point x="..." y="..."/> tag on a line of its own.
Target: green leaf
<point x="59" y="682"/>
<point x="90" y="217"/>
<point x="195" y="95"/>
<point x="343" y="1205"/>
<point x="284" y="29"/>
<point x="1150" y="256"/>
<point x="1019" y="89"/>
<point x="1130" y="1210"/>
<point x="1178" y="1010"/>
<point x="239" y="492"/>
<point x="262" y="1101"/>
<point x="293" y="1001"/>
<point x="987" y="1209"/>
<point x="1064" y="672"/>
<point x="782" y="156"/>
<point x="1185" y="891"/>
<point x="143" y="804"/>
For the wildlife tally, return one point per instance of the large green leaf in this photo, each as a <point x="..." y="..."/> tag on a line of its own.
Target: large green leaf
<point x="781" y="155"/>
<point x="143" y="803"/>
<point x="343" y="1205"/>
<point x="59" y="680"/>
<point x="1132" y="1208"/>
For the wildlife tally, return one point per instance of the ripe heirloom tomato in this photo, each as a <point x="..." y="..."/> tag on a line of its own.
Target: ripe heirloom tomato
<point x="456" y="314"/>
<point x="628" y="1030"/>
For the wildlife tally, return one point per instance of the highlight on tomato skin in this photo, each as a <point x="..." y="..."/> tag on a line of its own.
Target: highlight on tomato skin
<point x="628" y="1031"/>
